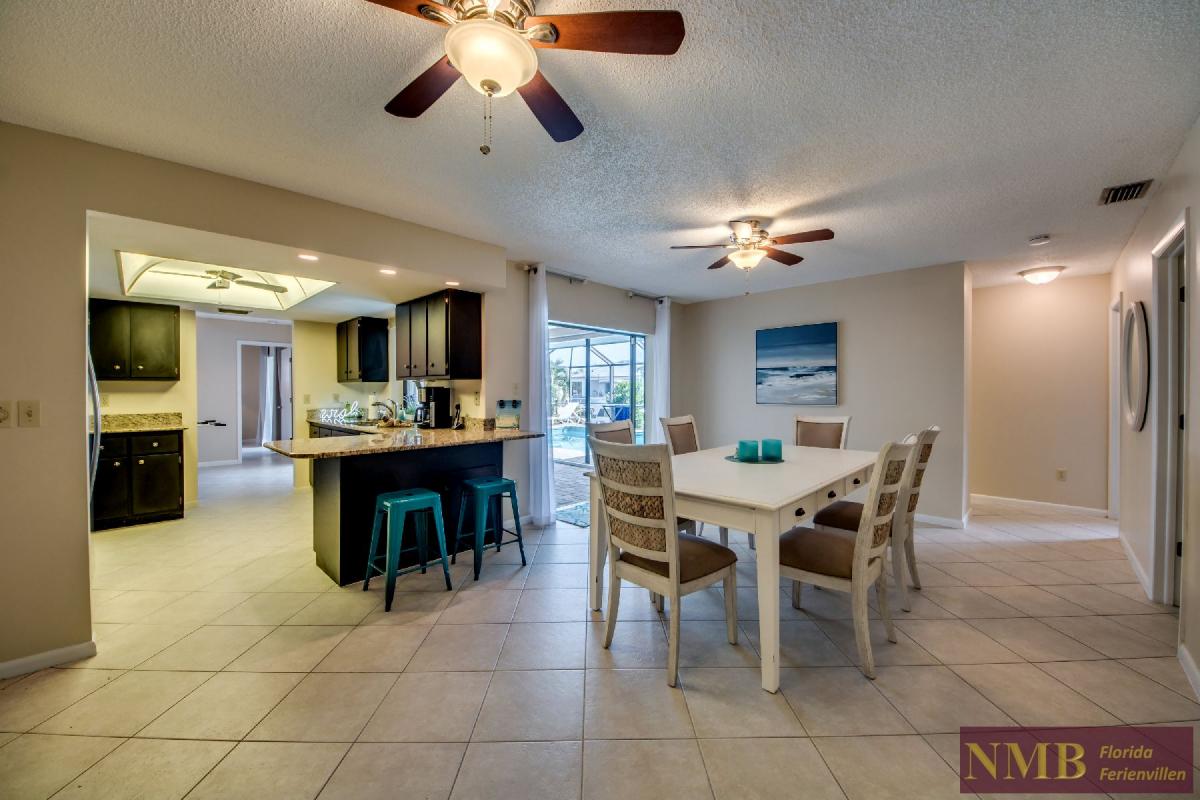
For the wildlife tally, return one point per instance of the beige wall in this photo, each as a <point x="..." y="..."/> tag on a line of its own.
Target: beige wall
<point x="132" y="397"/>
<point x="48" y="184"/>
<point x="1179" y="190"/>
<point x="901" y="363"/>
<point x="599" y="306"/>
<point x="1039" y="391"/>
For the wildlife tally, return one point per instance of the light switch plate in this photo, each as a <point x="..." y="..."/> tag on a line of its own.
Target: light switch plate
<point x="6" y="414"/>
<point x="29" y="413"/>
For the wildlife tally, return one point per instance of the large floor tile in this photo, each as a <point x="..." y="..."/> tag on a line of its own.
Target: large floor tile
<point x="126" y="705"/>
<point x="141" y="769"/>
<point x="727" y="702"/>
<point x="133" y="606"/>
<point x="934" y="699"/>
<point x="541" y="705"/>
<point x="35" y="766"/>
<point x="1110" y="638"/>
<point x="429" y="707"/>
<point x="37" y="697"/>
<point x="970" y="603"/>
<point x="977" y="574"/>
<point x="1035" y="573"/>
<point x="504" y="770"/>
<point x="197" y="608"/>
<point x="550" y="553"/>
<point x="271" y="608"/>
<point x="902" y="651"/>
<point x="706" y="644"/>
<point x="459" y="648"/>
<point x="1034" y="640"/>
<point x="552" y="605"/>
<point x="227" y="706"/>
<point x="544" y="645"/>
<point x="291" y="648"/>
<point x="271" y="771"/>
<point x="644" y="770"/>
<point x="802" y="644"/>
<point x="956" y="642"/>
<point x="1036" y="602"/>
<point x="635" y="645"/>
<point x="337" y="608"/>
<point x="210" y="648"/>
<point x="1032" y="697"/>
<point x="1124" y="692"/>
<point x="1166" y="670"/>
<point x="634" y="704"/>
<point x="484" y="605"/>
<point x="132" y="644"/>
<point x="873" y="767"/>
<point x="1163" y="627"/>
<point x="1100" y="600"/>
<point x="839" y="702"/>
<point x="391" y="771"/>
<point x="767" y="769"/>
<point x="411" y="608"/>
<point x="325" y="707"/>
<point x="375" y="648"/>
<point x="557" y="576"/>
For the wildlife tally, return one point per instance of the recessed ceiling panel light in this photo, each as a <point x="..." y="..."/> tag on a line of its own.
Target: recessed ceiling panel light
<point x="386" y="271"/>
<point x="452" y="283"/>
<point x="227" y="287"/>
<point x="1040" y="275"/>
<point x="307" y="257"/>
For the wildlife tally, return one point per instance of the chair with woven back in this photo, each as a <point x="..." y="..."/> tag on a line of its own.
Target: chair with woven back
<point x="681" y="437"/>
<point x="827" y="432"/>
<point x="645" y="546"/>
<point x="852" y="560"/>
<point x="618" y="432"/>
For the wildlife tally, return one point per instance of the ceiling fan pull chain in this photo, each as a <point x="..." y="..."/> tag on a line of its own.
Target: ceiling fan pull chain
<point x="486" y="147"/>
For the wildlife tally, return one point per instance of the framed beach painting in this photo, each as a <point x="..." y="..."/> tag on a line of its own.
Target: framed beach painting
<point x="797" y="365"/>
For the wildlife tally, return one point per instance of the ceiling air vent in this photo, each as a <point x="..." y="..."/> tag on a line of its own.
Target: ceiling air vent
<point x="233" y="310"/>
<point x="1128" y="191"/>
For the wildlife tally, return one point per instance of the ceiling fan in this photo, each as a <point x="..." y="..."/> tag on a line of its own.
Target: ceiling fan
<point x="491" y="43"/>
<point x="223" y="279"/>
<point x="750" y="244"/>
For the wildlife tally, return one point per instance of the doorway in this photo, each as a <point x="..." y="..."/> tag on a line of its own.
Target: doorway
<point x="264" y="393"/>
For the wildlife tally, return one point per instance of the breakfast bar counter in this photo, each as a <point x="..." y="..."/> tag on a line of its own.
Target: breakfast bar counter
<point x="349" y="472"/>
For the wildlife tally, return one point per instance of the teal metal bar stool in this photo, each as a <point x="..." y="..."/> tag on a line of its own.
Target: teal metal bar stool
<point x="397" y="507"/>
<point x="485" y="495"/>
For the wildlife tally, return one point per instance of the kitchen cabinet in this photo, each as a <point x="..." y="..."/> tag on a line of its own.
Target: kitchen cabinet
<point x="134" y="341"/>
<point x="140" y="479"/>
<point x="362" y="350"/>
<point x="445" y="336"/>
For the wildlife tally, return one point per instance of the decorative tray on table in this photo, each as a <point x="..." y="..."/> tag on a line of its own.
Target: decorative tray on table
<point x="735" y="459"/>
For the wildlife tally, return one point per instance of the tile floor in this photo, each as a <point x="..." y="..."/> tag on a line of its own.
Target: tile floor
<point x="229" y="666"/>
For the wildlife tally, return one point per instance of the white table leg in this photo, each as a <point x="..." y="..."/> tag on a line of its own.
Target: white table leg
<point x="767" y="554"/>
<point x="598" y="548"/>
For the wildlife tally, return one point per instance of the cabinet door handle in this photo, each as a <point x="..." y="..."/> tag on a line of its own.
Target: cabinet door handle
<point x="116" y="366"/>
<point x="799" y="512"/>
<point x="832" y="494"/>
<point x="140" y="366"/>
<point x="857" y="481"/>
<point x="154" y="444"/>
<point x="116" y="463"/>
<point x="141" y="461"/>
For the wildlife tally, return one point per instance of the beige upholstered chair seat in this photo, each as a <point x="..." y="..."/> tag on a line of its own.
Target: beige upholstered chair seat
<point x="825" y="552"/>
<point x="843" y="514"/>
<point x="697" y="557"/>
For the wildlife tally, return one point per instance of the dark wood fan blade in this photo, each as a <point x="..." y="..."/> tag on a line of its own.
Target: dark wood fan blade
<point x="550" y="109"/>
<point x="414" y="7"/>
<point x="416" y="98"/>
<point x="655" y="33"/>
<point x="699" y="246"/>
<point x="720" y="263"/>
<point x="808" y="236"/>
<point x="783" y="257"/>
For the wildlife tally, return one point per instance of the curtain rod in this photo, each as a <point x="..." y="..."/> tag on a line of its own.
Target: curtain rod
<point x="567" y="276"/>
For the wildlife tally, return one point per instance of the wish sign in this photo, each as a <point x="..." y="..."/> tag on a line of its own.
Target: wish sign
<point x="1076" y="760"/>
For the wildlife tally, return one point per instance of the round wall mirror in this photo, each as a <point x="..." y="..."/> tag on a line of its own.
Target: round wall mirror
<point x="1135" y="362"/>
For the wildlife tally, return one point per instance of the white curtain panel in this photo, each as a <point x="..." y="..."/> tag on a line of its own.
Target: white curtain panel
<point x="541" y="475"/>
<point x="660" y="389"/>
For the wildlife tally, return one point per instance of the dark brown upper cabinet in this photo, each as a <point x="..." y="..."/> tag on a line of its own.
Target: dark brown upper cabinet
<point x="134" y="341"/>
<point x="362" y="350"/>
<point x="440" y="336"/>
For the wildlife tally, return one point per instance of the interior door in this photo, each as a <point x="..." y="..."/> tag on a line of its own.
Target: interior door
<point x="437" y="353"/>
<point x="153" y="341"/>
<point x="283" y="361"/>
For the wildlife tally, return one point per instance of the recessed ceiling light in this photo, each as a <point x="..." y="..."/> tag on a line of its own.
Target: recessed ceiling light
<point x="452" y="283"/>
<point x="1040" y="275"/>
<point x="306" y="257"/>
<point x="386" y="271"/>
<point x="1038" y="241"/>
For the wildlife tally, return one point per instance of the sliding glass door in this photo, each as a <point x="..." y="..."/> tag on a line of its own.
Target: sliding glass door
<point x="596" y="375"/>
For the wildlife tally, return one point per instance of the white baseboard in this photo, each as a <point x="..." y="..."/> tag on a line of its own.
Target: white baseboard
<point x="50" y="658"/>
<point x="1016" y="501"/>
<point x="1138" y="570"/>
<point x="945" y="522"/>
<point x="218" y="463"/>
<point x="1189" y="668"/>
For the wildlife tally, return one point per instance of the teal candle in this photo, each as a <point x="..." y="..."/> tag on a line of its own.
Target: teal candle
<point x="772" y="449"/>
<point x="747" y="450"/>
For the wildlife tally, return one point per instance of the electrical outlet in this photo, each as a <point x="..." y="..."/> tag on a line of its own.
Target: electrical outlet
<point x="1060" y="474"/>
<point x="476" y="396"/>
<point x="29" y="413"/>
<point x="6" y="414"/>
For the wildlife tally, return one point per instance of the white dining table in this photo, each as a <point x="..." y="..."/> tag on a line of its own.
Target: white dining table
<point x="766" y="500"/>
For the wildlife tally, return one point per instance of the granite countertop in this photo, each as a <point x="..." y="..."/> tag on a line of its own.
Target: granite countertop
<point x="356" y="428"/>
<point x="140" y="423"/>
<point x="393" y="440"/>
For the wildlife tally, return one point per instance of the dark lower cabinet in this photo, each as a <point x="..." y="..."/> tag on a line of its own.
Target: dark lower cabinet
<point x="140" y="479"/>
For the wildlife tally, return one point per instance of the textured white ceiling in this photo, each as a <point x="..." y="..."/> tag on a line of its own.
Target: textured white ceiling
<point x="921" y="132"/>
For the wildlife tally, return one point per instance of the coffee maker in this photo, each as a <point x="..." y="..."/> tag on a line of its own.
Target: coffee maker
<point x="434" y="409"/>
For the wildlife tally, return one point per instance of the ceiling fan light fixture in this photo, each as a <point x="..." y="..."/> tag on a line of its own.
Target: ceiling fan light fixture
<point x="493" y="57"/>
<point x="747" y="257"/>
<point x="1039" y="275"/>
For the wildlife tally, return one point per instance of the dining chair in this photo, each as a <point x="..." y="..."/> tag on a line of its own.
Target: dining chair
<point x="822" y="431"/>
<point x="645" y="546"/>
<point x="618" y="432"/>
<point x="681" y="437"/>
<point x="852" y="560"/>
